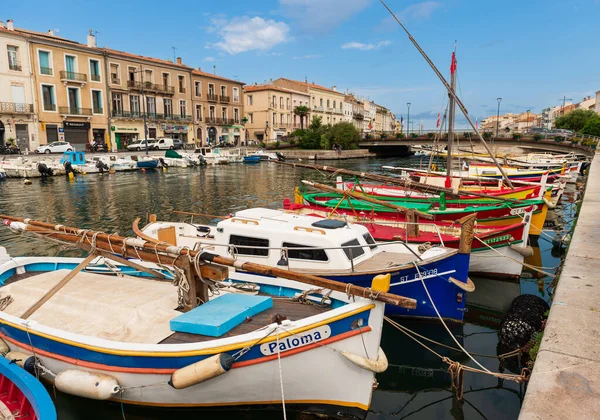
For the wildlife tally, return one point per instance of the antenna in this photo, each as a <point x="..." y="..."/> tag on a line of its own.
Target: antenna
<point x="96" y="36"/>
<point x="564" y="99"/>
<point x="174" y="54"/>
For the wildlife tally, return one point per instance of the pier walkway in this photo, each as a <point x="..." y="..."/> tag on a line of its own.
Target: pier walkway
<point x="565" y="382"/>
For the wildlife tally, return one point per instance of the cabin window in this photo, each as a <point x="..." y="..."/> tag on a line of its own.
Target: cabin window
<point x="352" y="253"/>
<point x="305" y="254"/>
<point x="369" y="239"/>
<point x="246" y="245"/>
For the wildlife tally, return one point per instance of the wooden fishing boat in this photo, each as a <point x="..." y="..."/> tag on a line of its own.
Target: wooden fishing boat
<point x="331" y="249"/>
<point x="502" y="214"/>
<point x="22" y="396"/>
<point x="108" y="328"/>
<point x="496" y="251"/>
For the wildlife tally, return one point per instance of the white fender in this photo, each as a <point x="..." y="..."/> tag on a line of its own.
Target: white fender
<point x="525" y="251"/>
<point x="377" y="366"/>
<point x="201" y="371"/>
<point x="548" y="203"/>
<point x="26" y="361"/>
<point x="4" y="349"/>
<point x="92" y="385"/>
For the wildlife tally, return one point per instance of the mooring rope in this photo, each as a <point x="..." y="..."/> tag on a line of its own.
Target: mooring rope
<point x="281" y="377"/>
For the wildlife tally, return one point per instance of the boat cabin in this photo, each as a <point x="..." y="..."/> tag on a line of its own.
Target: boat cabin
<point x="75" y="157"/>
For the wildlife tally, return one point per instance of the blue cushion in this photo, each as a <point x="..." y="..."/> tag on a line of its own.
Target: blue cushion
<point x="220" y="314"/>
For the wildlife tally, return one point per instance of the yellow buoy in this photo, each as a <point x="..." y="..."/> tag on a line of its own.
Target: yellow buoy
<point x="71" y="176"/>
<point x="201" y="371"/>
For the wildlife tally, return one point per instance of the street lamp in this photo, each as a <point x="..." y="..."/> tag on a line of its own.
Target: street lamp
<point x="527" y="122"/>
<point x="408" y="120"/>
<point x="498" y="116"/>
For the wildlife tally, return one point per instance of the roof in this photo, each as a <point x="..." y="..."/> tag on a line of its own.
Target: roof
<point x="258" y="88"/>
<point x="198" y="72"/>
<point x="143" y="57"/>
<point x="312" y="85"/>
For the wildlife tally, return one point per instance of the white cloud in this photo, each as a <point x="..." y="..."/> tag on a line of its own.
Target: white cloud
<point x="420" y="11"/>
<point x="365" y="47"/>
<point x="308" y="56"/>
<point x="271" y="54"/>
<point x="241" y="34"/>
<point x="321" y="16"/>
<point x="210" y="59"/>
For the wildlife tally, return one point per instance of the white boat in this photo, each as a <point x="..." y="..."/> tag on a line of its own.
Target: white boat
<point x="116" y="163"/>
<point x="21" y="167"/>
<point x="265" y="155"/>
<point x="212" y="156"/>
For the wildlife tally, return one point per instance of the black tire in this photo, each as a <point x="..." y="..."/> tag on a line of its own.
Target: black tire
<point x="47" y="151"/>
<point x="69" y="150"/>
<point x="171" y="148"/>
<point x="139" y="149"/>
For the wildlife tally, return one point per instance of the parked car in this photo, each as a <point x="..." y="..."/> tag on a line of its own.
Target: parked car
<point x="140" y="145"/>
<point x="562" y="133"/>
<point x="178" y="144"/>
<point x="164" y="144"/>
<point x="55" y="147"/>
<point x="538" y="130"/>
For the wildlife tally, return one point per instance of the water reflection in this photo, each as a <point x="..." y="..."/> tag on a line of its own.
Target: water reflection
<point x="416" y="385"/>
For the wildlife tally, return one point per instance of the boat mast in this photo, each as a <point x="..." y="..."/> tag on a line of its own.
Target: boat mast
<point x="451" y="92"/>
<point x="451" y="111"/>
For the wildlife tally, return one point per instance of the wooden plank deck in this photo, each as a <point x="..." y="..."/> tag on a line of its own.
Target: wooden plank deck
<point x="284" y="307"/>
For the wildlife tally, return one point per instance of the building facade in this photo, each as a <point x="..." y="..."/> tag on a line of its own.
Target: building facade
<point x="18" y="121"/>
<point x="218" y="109"/>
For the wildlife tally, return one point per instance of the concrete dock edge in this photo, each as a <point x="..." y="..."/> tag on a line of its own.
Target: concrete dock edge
<point x="565" y="382"/>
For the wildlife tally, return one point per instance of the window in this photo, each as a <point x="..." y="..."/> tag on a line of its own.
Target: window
<point x="334" y="105"/>
<point x="13" y="62"/>
<point x="198" y="88"/>
<point x="211" y="112"/>
<point x="305" y="254"/>
<point x="148" y="76"/>
<point x="95" y="70"/>
<point x="328" y="103"/>
<point x="352" y="253"/>
<point x="288" y="118"/>
<point x="168" y="103"/>
<point x="274" y="102"/>
<point x="223" y="90"/>
<point x="48" y="98"/>
<point x="134" y="105"/>
<point x="274" y="118"/>
<point x="321" y="102"/>
<point x="250" y="118"/>
<point x="249" y="246"/>
<point x="249" y="99"/>
<point x="224" y="113"/>
<point x="131" y="72"/>
<point x="236" y="94"/>
<point x="117" y="103"/>
<point x="288" y="103"/>
<point x="182" y="108"/>
<point x="211" y="89"/>
<point x="281" y="102"/>
<point x="71" y="67"/>
<point x="181" y="84"/>
<point x="150" y="105"/>
<point x="97" y="102"/>
<point x="45" y="62"/>
<point x="198" y="112"/>
<point x="369" y="239"/>
<point x="281" y="119"/>
<point x="114" y="74"/>
<point x="236" y="115"/>
<point x="165" y="79"/>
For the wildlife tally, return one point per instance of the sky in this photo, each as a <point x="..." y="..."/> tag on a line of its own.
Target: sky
<point x="530" y="53"/>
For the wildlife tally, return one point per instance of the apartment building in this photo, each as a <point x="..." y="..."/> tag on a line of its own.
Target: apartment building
<point x="218" y="112"/>
<point x="323" y="102"/>
<point x="270" y="111"/>
<point x="17" y="117"/>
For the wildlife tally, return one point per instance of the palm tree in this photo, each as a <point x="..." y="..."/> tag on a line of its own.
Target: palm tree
<point x="301" y="111"/>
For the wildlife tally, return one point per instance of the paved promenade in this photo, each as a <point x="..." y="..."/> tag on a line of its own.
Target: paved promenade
<point x="565" y="383"/>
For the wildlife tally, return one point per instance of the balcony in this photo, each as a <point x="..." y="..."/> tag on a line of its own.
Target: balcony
<point x="15" y="108"/>
<point x="14" y="65"/>
<point x="330" y="110"/>
<point x="358" y="116"/>
<point x="199" y="119"/>
<point x="150" y="87"/>
<point x="127" y="114"/>
<point x="76" y="112"/>
<point x="46" y="70"/>
<point x="115" y="79"/>
<point x="71" y="76"/>
<point x="211" y="120"/>
<point x="211" y="97"/>
<point x="95" y="77"/>
<point x="181" y="89"/>
<point x="225" y="99"/>
<point x="338" y="111"/>
<point x="182" y="118"/>
<point x="318" y="108"/>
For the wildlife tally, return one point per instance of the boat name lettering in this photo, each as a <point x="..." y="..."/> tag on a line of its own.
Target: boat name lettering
<point x="522" y="210"/>
<point x="424" y="273"/>
<point x="499" y="239"/>
<point x="296" y="340"/>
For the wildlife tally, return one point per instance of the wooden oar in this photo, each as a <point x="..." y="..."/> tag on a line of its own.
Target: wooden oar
<point x="169" y="254"/>
<point x="58" y="286"/>
<point x="364" y="197"/>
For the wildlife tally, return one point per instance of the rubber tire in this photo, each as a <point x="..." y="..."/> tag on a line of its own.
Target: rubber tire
<point x="47" y="151"/>
<point x="69" y="150"/>
<point x="139" y="149"/>
<point x="171" y="148"/>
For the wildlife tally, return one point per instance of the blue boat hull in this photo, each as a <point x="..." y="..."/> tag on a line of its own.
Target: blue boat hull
<point x="448" y="298"/>
<point x="252" y="159"/>
<point x="148" y="164"/>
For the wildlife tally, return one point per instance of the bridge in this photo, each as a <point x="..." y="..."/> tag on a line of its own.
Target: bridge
<point x="402" y="147"/>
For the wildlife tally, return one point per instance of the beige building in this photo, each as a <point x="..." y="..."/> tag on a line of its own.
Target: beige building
<point x="218" y="109"/>
<point x="323" y="102"/>
<point x="18" y="122"/>
<point x="270" y="111"/>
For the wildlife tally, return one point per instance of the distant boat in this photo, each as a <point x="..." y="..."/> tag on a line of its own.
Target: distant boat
<point x="252" y="159"/>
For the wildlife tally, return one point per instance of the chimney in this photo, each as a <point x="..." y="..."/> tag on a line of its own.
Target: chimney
<point x="271" y="81"/>
<point x="91" y="40"/>
<point x="50" y="32"/>
<point x="9" y="25"/>
<point x="214" y="69"/>
<point x="178" y="60"/>
<point x="199" y="69"/>
<point x="334" y="88"/>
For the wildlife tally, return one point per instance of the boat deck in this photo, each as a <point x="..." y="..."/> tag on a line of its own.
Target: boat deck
<point x="377" y="263"/>
<point x="282" y="307"/>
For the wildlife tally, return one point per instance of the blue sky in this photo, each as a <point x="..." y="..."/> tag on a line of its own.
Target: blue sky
<point x="529" y="52"/>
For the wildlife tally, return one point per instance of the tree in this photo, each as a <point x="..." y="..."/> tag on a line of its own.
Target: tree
<point x="311" y="137"/>
<point x="344" y="134"/>
<point x="301" y="111"/>
<point x="575" y="120"/>
<point x="592" y="126"/>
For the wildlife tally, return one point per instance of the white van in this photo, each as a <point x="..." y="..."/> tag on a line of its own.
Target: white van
<point x="141" y="145"/>
<point x="163" y="144"/>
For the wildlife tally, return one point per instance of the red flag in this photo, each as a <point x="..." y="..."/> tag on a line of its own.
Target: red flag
<point x="477" y="124"/>
<point x="453" y="65"/>
<point x="437" y="124"/>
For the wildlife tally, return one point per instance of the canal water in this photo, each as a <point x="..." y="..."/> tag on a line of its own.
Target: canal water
<point x="416" y="384"/>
